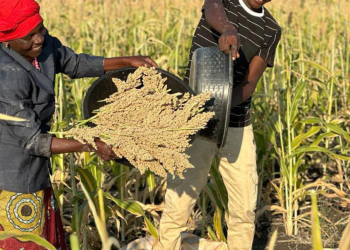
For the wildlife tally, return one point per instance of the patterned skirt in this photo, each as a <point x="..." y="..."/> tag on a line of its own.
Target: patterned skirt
<point x="35" y="213"/>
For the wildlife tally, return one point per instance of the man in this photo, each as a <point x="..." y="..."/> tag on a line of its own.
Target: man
<point x="247" y="29"/>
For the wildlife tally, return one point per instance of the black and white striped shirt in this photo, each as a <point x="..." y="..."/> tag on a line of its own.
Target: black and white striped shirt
<point x="259" y="34"/>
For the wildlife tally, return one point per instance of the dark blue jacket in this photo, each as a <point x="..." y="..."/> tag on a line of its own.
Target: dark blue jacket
<point x="28" y="93"/>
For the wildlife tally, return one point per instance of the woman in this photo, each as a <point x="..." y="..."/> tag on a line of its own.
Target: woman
<point x="29" y="60"/>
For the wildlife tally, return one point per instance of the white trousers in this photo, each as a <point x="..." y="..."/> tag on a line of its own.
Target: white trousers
<point x="237" y="166"/>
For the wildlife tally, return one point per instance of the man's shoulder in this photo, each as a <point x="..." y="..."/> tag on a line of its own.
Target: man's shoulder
<point x="271" y="21"/>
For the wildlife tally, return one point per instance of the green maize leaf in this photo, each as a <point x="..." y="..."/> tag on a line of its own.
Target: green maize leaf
<point x="151" y="183"/>
<point x="130" y="206"/>
<point x="321" y="137"/>
<point x="77" y="218"/>
<point x="296" y="165"/>
<point x="134" y="208"/>
<point x="312" y="120"/>
<point x="150" y="180"/>
<point x="218" y="225"/>
<point x="315" y="224"/>
<point x="11" y="118"/>
<point x="122" y="172"/>
<point x="297" y="140"/>
<point x="59" y="126"/>
<point x="298" y="93"/>
<point x="211" y="191"/>
<point x="79" y="195"/>
<point x="100" y="225"/>
<point x="151" y="228"/>
<point x="315" y="65"/>
<point x="338" y="121"/>
<point x="272" y="137"/>
<point x="284" y="167"/>
<point x="322" y="86"/>
<point x="27" y="236"/>
<point x="87" y="179"/>
<point x="308" y="149"/>
<point x="211" y="234"/>
<point x="337" y="129"/>
<point x="222" y="192"/>
<point x="74" y="242"/>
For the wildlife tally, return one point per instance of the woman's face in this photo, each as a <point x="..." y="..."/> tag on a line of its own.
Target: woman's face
<point x="256" y="4"/>
<point x="30" y="46"/>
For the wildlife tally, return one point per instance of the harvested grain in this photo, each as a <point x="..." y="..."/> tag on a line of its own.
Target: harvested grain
<point x="147" y="125"/>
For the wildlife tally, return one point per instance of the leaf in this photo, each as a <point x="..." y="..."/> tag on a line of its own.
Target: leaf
<point x="211" y="234"/>
<point x="101" y="227"/>
<point x="87" y="179"/>
<point x="337" y="129"/>
<point x="210" y="190"/>
<point x="11" y="118"/>
<point x="319" y="183"/>
<point x="315" y="224"/>
<point x="151" y="228"/>
<point x="74" y="242"/>
<point x="222" y="192"/>
<point x="218" y="225"/>
<point x="130" y="206"/>
<point x="322" y="136"/>
<point x="27" y="236"/>
<point x="312" y="120"/>
<point x="273" y="239"/>
<point x="297" y="140"/>
<point x="315" y="65"/>
<point x="134" y="208"/>
<point x="308" y="149"/>
<point x="151" y="183"/>
<point x="296" y="98"/>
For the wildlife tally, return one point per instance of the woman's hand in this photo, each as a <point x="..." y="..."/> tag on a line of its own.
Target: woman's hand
<point x="137" y="61"/>
<point x="229" y="40"/>
<point x="104" y="151"/>
<point x="129" y="61"/>
<point x="62" y="145"/>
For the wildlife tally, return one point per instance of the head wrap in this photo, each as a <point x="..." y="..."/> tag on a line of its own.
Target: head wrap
<point x="18" y="18"/>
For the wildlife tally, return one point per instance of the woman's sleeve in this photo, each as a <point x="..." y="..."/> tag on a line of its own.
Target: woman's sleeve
<point x="15" y="89"/>
<point x="77" y="65"/>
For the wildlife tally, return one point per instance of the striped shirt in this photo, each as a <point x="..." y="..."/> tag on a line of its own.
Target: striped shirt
<point x="259" y="34"/>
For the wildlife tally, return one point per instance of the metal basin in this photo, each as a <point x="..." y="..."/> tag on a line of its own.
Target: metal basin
<point x="212" y="70"/>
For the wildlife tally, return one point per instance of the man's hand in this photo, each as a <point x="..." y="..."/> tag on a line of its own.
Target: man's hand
<point x="229" y="40"/>
<point x="215" y="16"/>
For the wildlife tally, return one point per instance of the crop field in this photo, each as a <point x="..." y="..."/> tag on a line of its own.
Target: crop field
<point x="301" y="115"/>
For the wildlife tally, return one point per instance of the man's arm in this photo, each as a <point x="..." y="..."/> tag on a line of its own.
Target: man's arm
<point x="246" y="88"/>
<point x="216" y="17"/>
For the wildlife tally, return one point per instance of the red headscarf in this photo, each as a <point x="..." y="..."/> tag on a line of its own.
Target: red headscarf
<point x="18" y="18"/>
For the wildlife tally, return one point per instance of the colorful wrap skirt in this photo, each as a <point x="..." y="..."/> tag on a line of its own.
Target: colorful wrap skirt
<point x="35" y="213"/>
